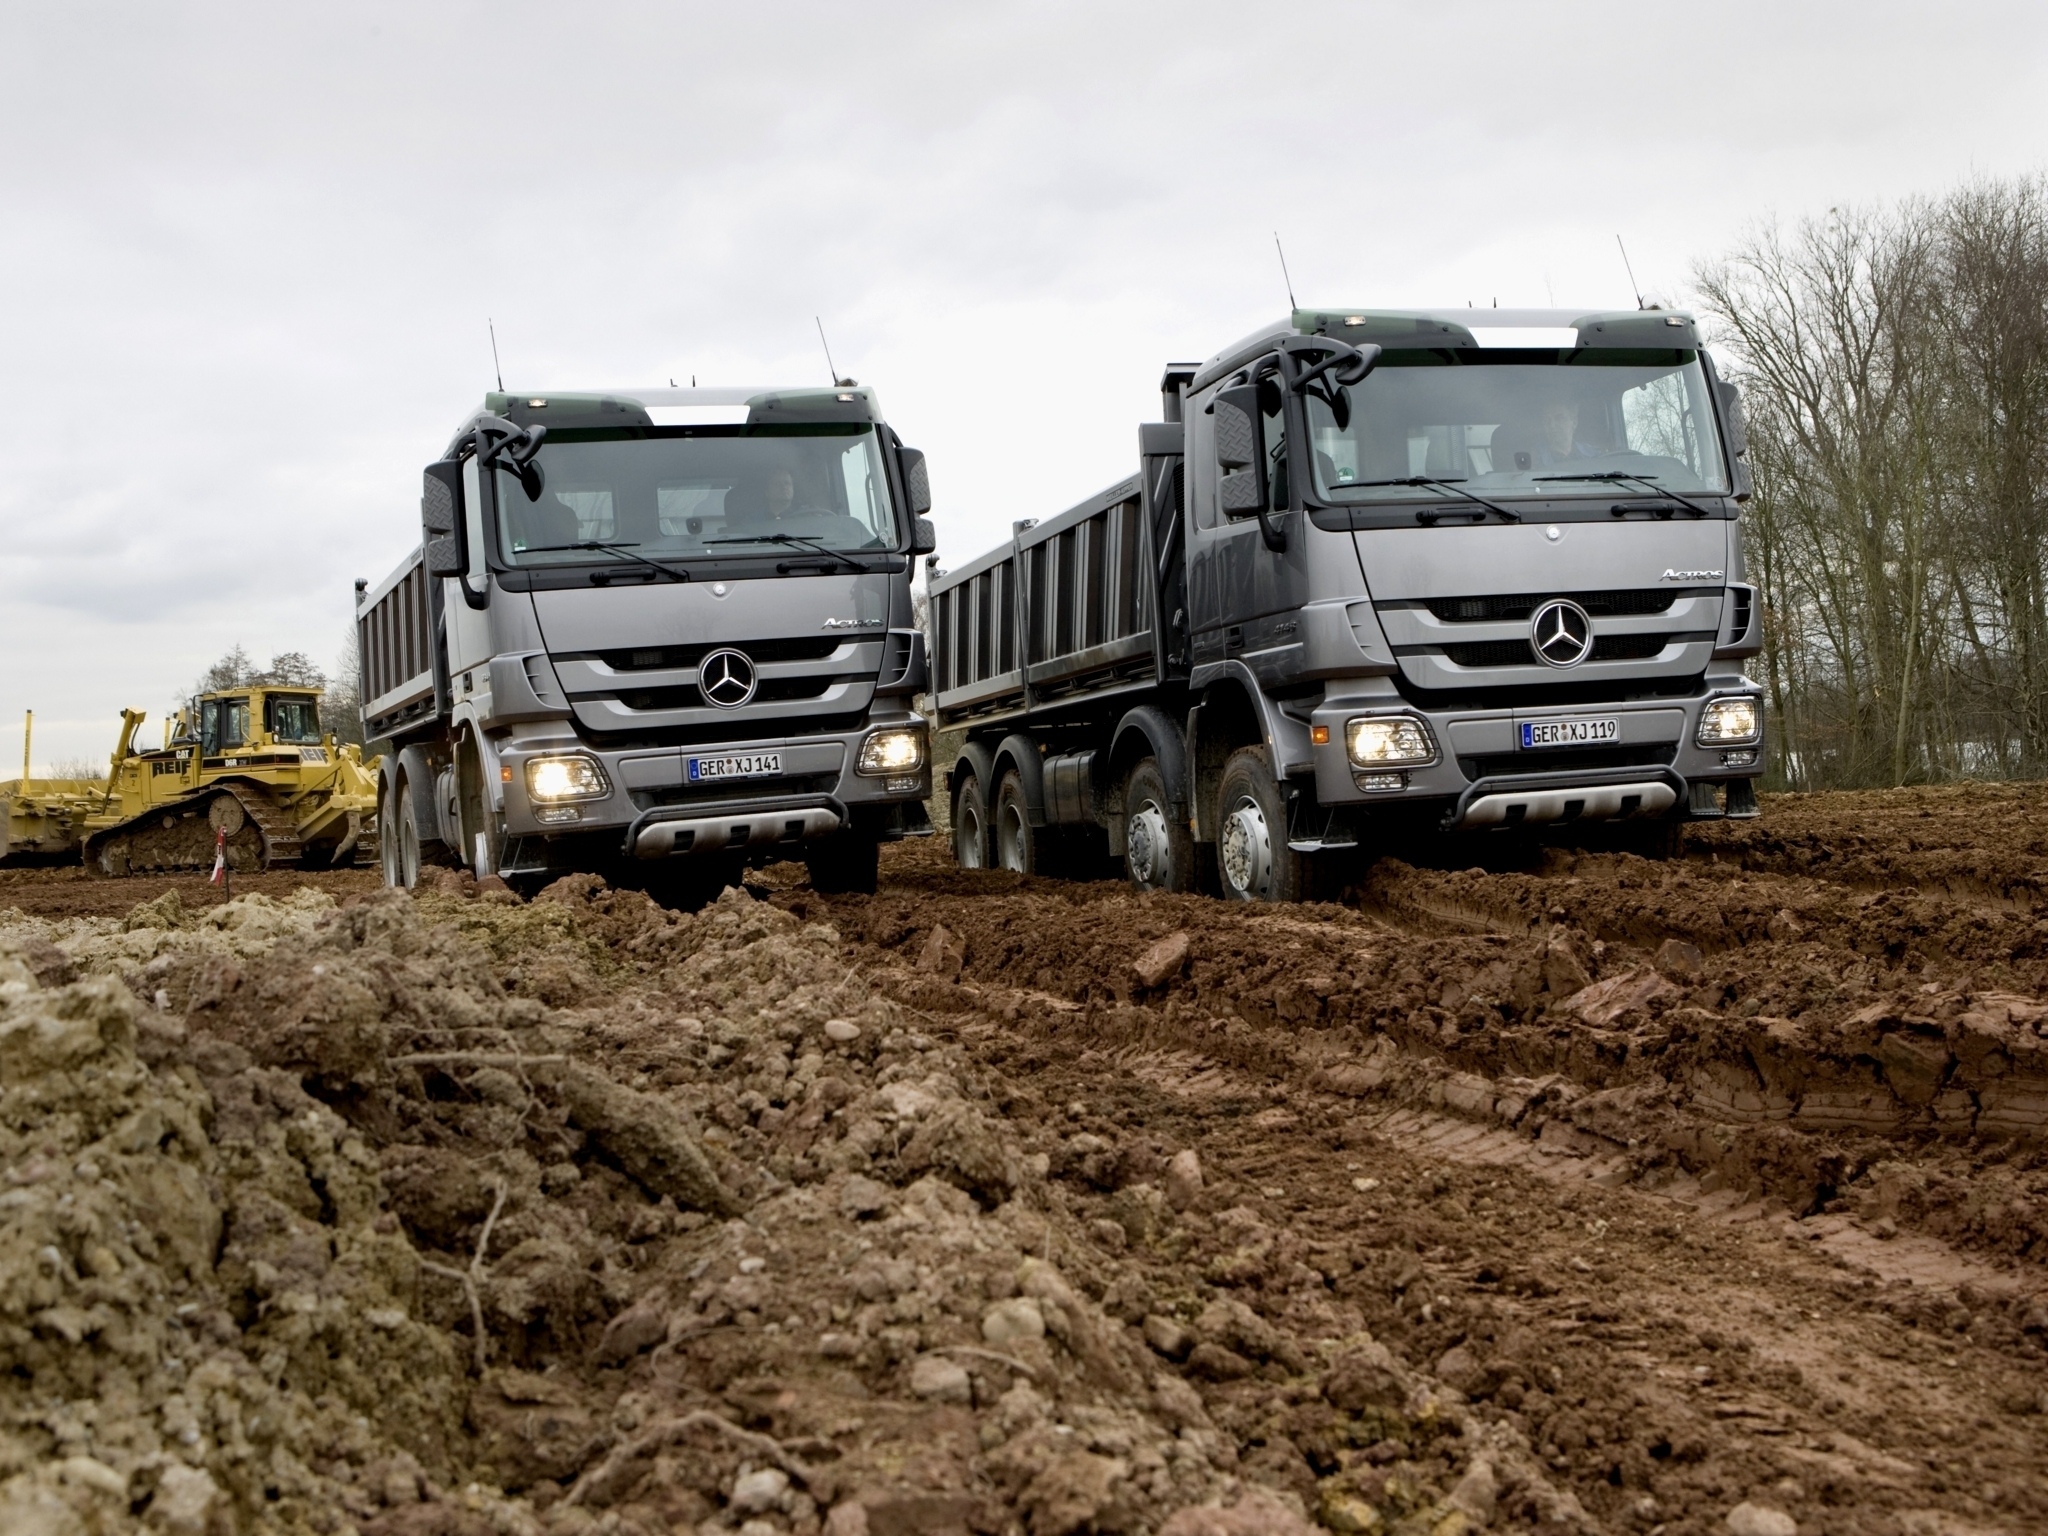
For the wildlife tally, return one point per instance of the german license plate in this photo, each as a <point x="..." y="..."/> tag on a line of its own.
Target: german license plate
<point x="746" y="765"/>
<point x="1568" y="733"/>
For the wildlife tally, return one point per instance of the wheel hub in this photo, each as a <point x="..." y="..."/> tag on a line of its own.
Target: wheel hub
<point x="967" y="839"/>
<point x="1145" y="844"/>
<point x="1245" y="849"/>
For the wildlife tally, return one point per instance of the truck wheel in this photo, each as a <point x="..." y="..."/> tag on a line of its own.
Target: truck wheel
<point x="1016" y="840"/>
<point x="400" y="839"/>
<point x="1159" y="851"/>
<point x="1252" y="856"/>
<point x="845" y="864"/>
<point x="970" y="823"/>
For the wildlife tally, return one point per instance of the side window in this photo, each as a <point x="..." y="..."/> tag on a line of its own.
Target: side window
<point x="473" y="516"/>
<point x="1273" y="437"/>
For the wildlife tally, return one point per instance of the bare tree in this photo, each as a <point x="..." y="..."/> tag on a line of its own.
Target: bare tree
<point x="1895" y="362"/>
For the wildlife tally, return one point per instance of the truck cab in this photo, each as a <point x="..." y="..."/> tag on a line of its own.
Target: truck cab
<point x="654" y="628"/>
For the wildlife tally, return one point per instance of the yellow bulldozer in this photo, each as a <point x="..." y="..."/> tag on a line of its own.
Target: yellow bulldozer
<point x="248" y="771"/>
<point x="41" y="819"/>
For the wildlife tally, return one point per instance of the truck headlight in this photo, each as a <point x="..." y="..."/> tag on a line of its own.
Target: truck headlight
<point x="1389" y="741"/>
<point x="898" y="749"/>
<point x="1730" y="722"/>
<point x="566" y="778"/>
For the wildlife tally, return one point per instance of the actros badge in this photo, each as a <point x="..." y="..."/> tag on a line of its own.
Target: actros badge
<point x="1561" y="634"/>
<point x="726" y="678"/>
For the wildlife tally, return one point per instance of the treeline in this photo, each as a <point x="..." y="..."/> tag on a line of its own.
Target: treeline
<point x="1894" y="363"/>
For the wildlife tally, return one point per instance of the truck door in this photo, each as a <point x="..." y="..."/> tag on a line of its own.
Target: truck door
<point x="1234" y="580"/>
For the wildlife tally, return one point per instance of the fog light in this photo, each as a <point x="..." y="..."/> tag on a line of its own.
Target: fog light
<point x="555" y="815"/>
<point x="1389" y="741"/>
<point x="904" y="786"/>
<point x="1744" y="757"/>
<point x="897" y="750"/>
<point x="1727" y="722"/>
<point x="566" y="778"/>
<point x="1380" y="782"/>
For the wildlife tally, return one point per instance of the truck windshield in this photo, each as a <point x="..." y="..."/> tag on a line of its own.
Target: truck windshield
<point x="1528" y="424"/>
<point x="684" y="492"/>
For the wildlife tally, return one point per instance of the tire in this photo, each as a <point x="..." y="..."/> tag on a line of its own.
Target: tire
<point x="1016" y="841"/>
<point x="971" y="849"/>
<point x="402" y="846"/>
<point x="1159" y="851"/>
<point x="1253" y="861"/>
<point x="847" y="864"/>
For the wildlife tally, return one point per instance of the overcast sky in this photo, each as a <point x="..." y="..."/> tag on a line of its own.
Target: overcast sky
<point x="247" y="251"/>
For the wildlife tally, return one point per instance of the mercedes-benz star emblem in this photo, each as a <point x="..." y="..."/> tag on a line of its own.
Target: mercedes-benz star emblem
<point x="1561" y="634"/>
<point x="726" y="678"/>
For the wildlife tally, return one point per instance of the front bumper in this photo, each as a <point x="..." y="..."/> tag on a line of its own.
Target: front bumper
<point x="656" y="808"/>
<point x="1484" y="777"/>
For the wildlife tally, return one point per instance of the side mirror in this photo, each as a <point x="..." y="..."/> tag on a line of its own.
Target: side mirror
<point x="1243" y="487"/>
<point x="917" y="482"/>
<point x="1736" y="418"/>
<point x="441" y="518"/>
<point x="1740" y="481"/>
<point x="924" y="538"/>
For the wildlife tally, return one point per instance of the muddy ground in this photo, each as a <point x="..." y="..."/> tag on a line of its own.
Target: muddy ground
<point x="1561" y="1192"/>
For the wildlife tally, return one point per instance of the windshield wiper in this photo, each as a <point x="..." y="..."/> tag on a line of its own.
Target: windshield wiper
<point x="1617" y="477"/>
<point x="1440" y="485"/>
<point x="623" y="551"/>
<point x="800" y="541"/>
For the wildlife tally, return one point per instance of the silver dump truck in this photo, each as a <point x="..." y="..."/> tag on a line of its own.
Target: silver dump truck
<point x="1379" y="574"/>
<point x="654" y="634"/>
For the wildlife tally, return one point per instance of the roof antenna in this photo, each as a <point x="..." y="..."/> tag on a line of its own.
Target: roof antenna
<point x="496" y="367"/>
<point x="1631" y="273"/>
<point x="837" y="382"/>
<point x="1289" y="281"/>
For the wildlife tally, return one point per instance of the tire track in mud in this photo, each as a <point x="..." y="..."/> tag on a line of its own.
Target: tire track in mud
<point x="1806" y="1093"/>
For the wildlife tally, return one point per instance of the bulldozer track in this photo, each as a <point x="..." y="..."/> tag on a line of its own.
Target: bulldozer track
<point x="180" y="836"/>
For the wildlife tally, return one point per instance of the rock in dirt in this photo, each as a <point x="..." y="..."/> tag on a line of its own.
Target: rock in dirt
<point x="1184" y="1179"/>
<point x="646" y="1136"/>
<point x="1009" y="1322"/>
<point x="1161" y="960"/>
<point x="633" y="1330"/>
<point x="957" y="1142"/>
<point x="861" y="1197"/>
<point x="943" y="954"/>
<point x="842" y="1032"/>
<point x="1675" y="957"/>
<point x="1760" y="1520"/>
<point x="939" y="1380"/>
<point x="1258" y="1512"/>
<point x="1167" y="1336"/>
<point x="758" y="1492"/>
<point x="1477" y="1492"/>
<point x="1601" y="1004"/>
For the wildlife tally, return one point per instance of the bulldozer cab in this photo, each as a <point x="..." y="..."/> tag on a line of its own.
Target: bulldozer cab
<point x="257" y="717"/>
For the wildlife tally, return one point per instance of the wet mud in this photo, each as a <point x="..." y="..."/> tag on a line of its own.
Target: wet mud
<point x="1554" y="1191"/>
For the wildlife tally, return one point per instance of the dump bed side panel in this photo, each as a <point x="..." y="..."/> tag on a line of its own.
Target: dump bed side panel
<point x="395" y="634"/>
<point x="1064" y="611"/>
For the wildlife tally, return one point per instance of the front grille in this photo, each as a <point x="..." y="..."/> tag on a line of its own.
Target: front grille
<point x="1517" y="653"/>
<point x="1521" y="605"/>
<point x="1568" y="760"/>
<point x="772" y="690"/>
<point x="667" y="657"/>
<point x="728" y="727"/>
